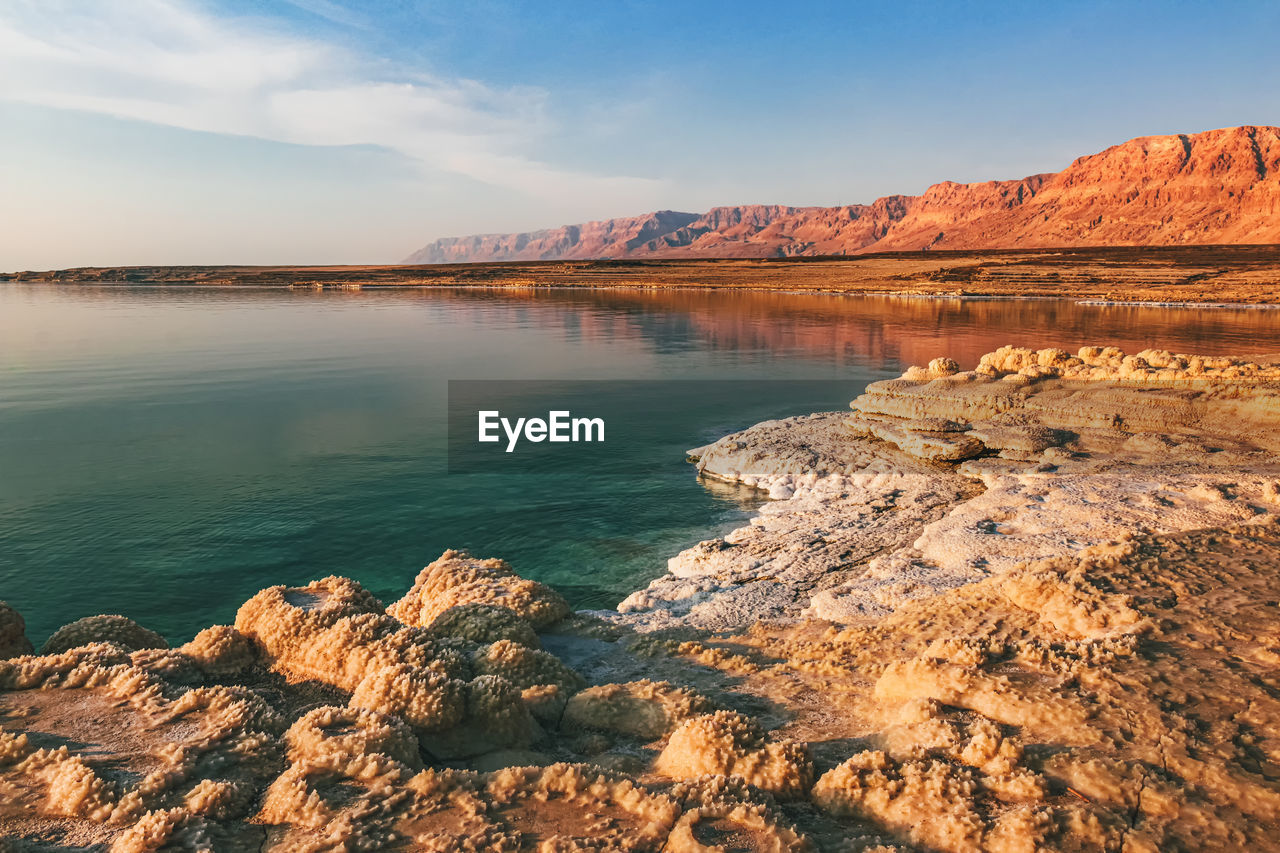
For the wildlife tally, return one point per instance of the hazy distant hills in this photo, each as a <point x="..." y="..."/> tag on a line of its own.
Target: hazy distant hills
<point x="1217" y="187"/>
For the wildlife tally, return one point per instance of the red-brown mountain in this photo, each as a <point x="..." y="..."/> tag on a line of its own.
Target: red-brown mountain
<point x="1221" y="186"/>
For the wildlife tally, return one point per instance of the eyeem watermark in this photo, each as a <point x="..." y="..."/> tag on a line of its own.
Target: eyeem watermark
<point x="558" y="426"/>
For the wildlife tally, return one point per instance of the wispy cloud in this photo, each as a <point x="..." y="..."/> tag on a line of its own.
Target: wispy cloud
<point x="174" y="63"/>
<point x="331" y="11"/>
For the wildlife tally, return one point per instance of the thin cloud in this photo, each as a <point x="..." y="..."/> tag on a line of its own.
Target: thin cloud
<point x="170" y="62"/>
<point x="332" y="12"/>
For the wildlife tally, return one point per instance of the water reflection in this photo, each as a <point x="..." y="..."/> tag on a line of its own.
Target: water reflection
<point x="165" y="452"/>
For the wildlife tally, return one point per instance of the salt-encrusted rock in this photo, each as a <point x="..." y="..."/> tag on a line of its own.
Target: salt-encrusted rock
<point x="496" y="717"/>
<point x="1099" y="388"/>
<point x="158" y="735"/>
<point x="165" y="829"/>
<point x="914" y="437"/>
<point x="1138" y="434"/>
<point x="643" y="709"/>
<point x="525" y="667"/>
<point x="13" y="637"/>
<point x="424" y="698"/>
<point x="727" y="743"/>
<point x="929" y="801"/>
<point x="458" y="578"/>
<point x="336" y="755"/>
<point x="848" y="500"/>
<point x="484" y="623"/>
<point x="545" y="702"/>
<point x="329" y="735"/>
<point x="332" y="631"/>
<point x="616" y="813"/>
<point x="119" y="630"/>
<point x="220" y="650"/>
<point x="726" y="807"/>
<point x="1027" y="439"/>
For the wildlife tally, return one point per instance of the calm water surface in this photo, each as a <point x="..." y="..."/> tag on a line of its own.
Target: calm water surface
<point x="165" y="453"/>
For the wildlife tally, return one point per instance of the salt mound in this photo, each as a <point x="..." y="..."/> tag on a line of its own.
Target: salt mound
<point x="495" y="718"/>
<point x="727" y="744"/>
<point x="149" y="749"/>
<point x="167" y="829"/>
<point x="220" y="651"/>
<point x="642" y="709"/>
<point x="484" y="623"/>
<point x="341" y="760"/>
<point x="525" y="667"/>
<point x="929" y="801"/>
<point x="1082" y="703"/>
<point x="547" y="803"/>
<point x="332" y="631"/>
<point x="119" y="630"/>
<point x="424" y="698"/>
<point x="458" y="578"/>
<point x="723" y="809"/>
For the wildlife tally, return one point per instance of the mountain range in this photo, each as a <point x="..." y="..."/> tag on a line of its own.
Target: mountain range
<point x="1217" y="187"/>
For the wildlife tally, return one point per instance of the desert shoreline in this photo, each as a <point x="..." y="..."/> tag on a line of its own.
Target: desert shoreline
<point x="951" y="629"/>
<point x="900" y="294"/>
<point x="1247" y="275"/>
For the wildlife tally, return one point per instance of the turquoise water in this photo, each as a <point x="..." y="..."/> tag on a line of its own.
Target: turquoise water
<point x="165" y="453"/>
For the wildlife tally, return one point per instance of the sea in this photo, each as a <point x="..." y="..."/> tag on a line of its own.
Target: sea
<point x="165" y="452"/>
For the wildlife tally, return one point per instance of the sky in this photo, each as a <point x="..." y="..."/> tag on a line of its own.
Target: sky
<point x="335" y="131"/>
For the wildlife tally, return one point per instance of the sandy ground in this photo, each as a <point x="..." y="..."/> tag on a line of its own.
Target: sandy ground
<point x="1028" y="606"/>
<point x="1195" y="274"/>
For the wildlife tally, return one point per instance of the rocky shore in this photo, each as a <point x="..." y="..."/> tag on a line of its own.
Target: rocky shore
<point x="1029" y="606"/>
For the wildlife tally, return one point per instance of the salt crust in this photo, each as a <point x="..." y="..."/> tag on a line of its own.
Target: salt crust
<point x="943" y="477"/>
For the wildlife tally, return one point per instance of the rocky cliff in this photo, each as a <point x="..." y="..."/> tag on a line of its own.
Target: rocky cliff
<point x="1217" y="187"/>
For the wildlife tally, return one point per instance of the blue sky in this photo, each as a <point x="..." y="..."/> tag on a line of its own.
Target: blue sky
<point x="330" y="131"/>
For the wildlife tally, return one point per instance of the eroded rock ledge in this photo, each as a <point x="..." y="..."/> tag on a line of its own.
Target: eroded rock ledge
<point x="1064" y="639"/>
<point x="944" y="477"/>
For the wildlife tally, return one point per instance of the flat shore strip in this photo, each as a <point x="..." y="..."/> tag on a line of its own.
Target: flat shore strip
<point x="1033" y="605"/>
<point x="1248" y="275"/>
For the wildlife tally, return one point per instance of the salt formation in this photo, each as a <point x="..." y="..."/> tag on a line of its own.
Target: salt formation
<point x="219" y="651"/>
<point x="843" y="500"/>
<point x="458" y="578"/>
<point x="159" y="748"/>
<point x="525" y="667"/>
<point x="1122" y="699"/>
<point x="719" y="808"/>
<point x="1064" y="641"/>
<point x="119" y="630"/>
<point x="484" y="623"/>
<point x="727" y="744"/>
<point x="943" y="477"/>
<point x="95" y="742"/>
<point x="424" y="698"/>
<point x="333" y="631"/>
<point x="643" y="709"/>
